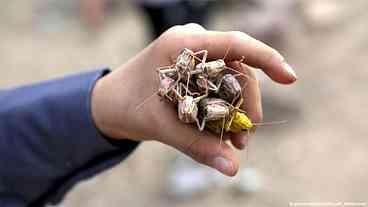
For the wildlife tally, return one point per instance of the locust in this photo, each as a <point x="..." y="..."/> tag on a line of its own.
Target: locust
<point x="167" y="85"/>
<point x="228" y="118"/>
<point x="235" y="120"/>
<point x="216" y="111"/>
<point x="184" y="67"/>
<point x="171" y="75"/>
<point x="213" y="79"/>
<point x="187" y="107"/>
<point x="222" y="116"/>
<point x="206" y="74"/>
<point x="206" y="93"/>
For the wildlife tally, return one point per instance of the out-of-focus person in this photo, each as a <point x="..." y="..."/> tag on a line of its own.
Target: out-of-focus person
<point x="164" y="14"/>
<point x="93" y="12"/>
<point x="266" y="20"/>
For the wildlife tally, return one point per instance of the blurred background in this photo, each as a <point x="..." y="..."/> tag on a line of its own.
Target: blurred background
<point x="320" y="155"/>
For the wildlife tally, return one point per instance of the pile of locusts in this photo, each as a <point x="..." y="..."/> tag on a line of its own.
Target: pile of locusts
<point x="207" y="94"/>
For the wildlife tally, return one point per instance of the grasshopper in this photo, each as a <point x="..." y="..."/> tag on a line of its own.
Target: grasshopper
<point x="215" y="110"/>
<point x="166" y="88"/>
<point x="227" y="86"/>
<point x="187" y="106"/>
<point x="184" y="66"/>
<point x="220" y="116"/>
<point x="170" y="76"/>
<point x="235" y="120"/>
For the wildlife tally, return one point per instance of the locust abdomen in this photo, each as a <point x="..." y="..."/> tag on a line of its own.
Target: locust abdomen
<point x="240" y="123"/>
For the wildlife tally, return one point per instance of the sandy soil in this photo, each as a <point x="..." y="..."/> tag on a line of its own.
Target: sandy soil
<point x="319" y="156"/>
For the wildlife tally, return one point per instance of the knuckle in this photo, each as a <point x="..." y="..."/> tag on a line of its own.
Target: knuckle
<point x="171" y="32"/>
<point x="175" y="29"/>
<point x="199" y="154"/>
<point x="182" y="35"/>
<point x="239" y="35"/>
<point x="273" y="56"/>
<point x="169" y="40"/>
<point x="175" y="34"/>
<point x="194" y="26"/>
<point x="258" y="117"/>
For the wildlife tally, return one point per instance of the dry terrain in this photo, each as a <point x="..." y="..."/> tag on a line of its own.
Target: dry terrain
<point x="319" y="156"/>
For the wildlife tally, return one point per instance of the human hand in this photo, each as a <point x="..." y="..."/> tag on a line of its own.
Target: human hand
<point x="116" y="96"/>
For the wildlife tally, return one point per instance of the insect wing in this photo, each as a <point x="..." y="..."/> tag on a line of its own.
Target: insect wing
<point x="185" y="61"/>
<point x="230" y="88"/>
<point x="213" y="109"/>
<point x="187" y="110"/>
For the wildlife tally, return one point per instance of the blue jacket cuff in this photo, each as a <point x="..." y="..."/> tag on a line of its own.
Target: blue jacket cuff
<point x="49" y="141"/>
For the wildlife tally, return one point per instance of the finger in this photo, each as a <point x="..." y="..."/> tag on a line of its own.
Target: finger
<point x="203" y="147"/>
<point x="239" y="140"/>
<point x="194" y="27"/>
<point x="252" y="102"/>
<point x="256" y="53"/>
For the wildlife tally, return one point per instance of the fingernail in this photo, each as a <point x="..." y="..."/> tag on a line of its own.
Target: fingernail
<point x="223" y="165"/>
<point x="280" y="57"/>
<point x="243" y="142"/>
<point x="289" y="69"/>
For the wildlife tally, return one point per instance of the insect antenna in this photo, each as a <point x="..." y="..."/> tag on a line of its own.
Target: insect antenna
<point x="260" y="124"/>
<point x="237" y="72"/>
<point x="222" y="131"/>
<point x="227" y="52"/>
<point x="270" y="123"/>
<point x="247" y="147"/>
<point x="154" y="93"/>
<point x="146" y="100"/>
<point x="197" y="58"/>
<point x="191" y="144"/>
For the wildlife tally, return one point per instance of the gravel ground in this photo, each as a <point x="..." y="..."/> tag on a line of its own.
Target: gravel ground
<point x="320" y="155"/>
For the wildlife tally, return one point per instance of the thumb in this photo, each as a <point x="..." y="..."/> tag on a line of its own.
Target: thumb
<point x="205" y="148"/>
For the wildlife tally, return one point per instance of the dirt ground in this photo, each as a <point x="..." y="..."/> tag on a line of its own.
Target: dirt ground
<point x="320" y="155"/>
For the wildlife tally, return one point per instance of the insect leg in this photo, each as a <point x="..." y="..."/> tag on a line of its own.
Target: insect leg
<point x="227" y="52"/>
<point x="165" y="67"/>
<point x="145" y="101"/>
<point x="175" y="84"/>
<point x="199" y="125"/>
<point x="181" y="85"/>
<point x="222" y="131"/>
<point x="153" y="94"/>
<point x="187" y="86"/>
<point x="203" y="124"/>
<point x="161" y="75"/>
<point x="237" y="108"/>
<point x="204" y="57"/>
<point x="197" y="99"/>
<point x="191" y="144"/>
<point x="238" y="73"/>
<point x="177" y="91"/>
<point x="217" y="87"/>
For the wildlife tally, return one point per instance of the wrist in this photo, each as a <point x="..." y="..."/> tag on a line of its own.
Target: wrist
<point x="99" y="109"/>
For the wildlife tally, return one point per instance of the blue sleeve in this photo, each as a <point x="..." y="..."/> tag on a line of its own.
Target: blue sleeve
<point x="48" y="140"/>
